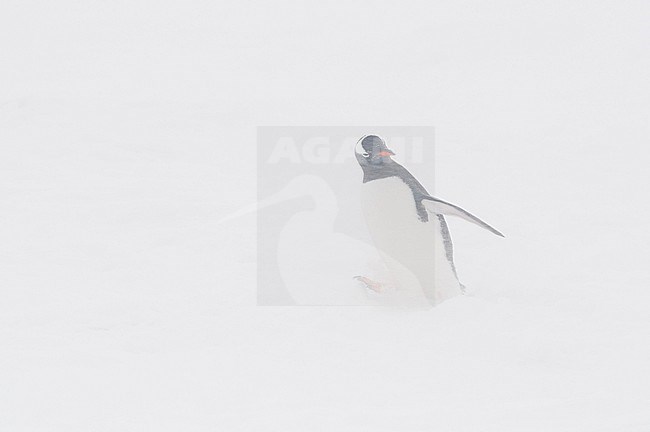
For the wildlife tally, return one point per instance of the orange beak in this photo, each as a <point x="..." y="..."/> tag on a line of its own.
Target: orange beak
<point x="386" y="153"/>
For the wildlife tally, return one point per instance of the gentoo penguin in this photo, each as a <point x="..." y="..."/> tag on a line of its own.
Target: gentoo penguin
<point x="408" y="225"/>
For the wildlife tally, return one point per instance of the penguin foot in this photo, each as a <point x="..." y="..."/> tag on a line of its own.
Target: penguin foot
<point x="370" y="284"/>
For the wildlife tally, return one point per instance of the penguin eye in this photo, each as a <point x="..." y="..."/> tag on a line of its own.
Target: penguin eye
<point x="365" y="155"/>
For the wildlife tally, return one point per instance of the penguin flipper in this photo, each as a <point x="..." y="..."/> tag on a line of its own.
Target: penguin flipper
<point x="438" y="206"/>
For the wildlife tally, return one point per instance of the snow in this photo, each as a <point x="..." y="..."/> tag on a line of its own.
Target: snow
<point x="128" y="129"/>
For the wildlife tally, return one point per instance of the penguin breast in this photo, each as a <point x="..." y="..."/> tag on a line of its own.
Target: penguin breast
<point x="413" y="250"/>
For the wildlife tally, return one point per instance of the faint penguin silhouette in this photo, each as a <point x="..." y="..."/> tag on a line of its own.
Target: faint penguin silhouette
<point x="317" y="264"/>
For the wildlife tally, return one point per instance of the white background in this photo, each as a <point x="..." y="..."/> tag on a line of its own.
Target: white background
<point x="127" y="129"/>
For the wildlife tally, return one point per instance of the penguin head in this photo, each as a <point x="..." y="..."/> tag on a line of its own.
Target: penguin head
<point x="372" y="150"/>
